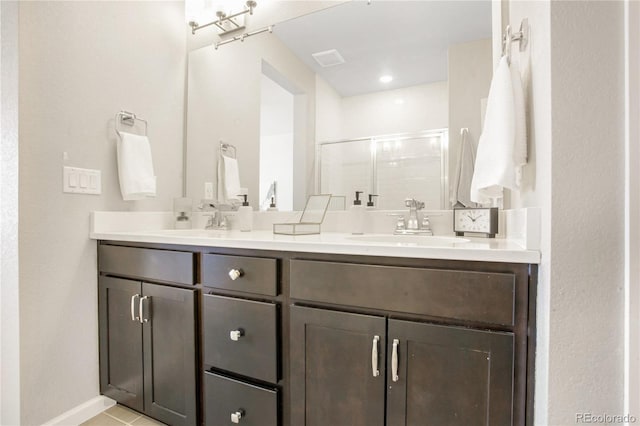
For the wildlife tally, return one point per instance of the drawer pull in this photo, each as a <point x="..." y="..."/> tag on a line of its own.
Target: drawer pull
<point x="237" y="416"/>
<point x="234" y="274"/>
<point x="394" y="361"/>
<point x="235" y="335"/>
<point x="141" y="311"/>
<point x="133" y="308"/>
<point x="374" y="357"/>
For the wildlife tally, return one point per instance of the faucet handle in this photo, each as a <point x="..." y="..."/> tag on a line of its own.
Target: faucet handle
<point x="401" y="223"/>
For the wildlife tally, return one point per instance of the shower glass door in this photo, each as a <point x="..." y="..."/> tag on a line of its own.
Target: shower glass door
<point x="394" y="167"/>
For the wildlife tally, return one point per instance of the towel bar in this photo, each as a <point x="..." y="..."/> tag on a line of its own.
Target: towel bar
<point x="226" y="148"/>
<point x="129" y="119"/>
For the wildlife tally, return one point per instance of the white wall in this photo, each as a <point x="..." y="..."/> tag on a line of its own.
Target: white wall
<point x="81" y="62"/>
<point x="406" y="110"/>
<point x="9" y="283"/>
<point x="575" y="173"/>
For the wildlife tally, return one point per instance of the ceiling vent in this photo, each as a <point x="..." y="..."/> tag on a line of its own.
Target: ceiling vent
<point x="328" y="58"/>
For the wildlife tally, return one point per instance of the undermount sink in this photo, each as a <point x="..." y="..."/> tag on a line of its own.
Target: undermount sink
<point x="195" y="233"/>
<point x="410" y="240"/>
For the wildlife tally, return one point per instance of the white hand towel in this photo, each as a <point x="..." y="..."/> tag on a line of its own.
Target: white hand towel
<point x="502" y="149"/>
<point x="228" y="179"/>
<point x="135" y="167"/>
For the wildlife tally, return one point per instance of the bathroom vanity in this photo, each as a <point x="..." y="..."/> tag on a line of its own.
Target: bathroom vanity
<point x="232" y="333"/>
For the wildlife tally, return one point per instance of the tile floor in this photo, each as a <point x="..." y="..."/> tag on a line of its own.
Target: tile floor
<point x="119" y="415"/>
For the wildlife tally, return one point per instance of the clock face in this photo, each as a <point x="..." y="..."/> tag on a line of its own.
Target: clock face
<point x="473" y="220"/>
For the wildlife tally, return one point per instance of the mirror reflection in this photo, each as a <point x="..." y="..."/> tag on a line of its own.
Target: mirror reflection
<point x="355" y="97"/>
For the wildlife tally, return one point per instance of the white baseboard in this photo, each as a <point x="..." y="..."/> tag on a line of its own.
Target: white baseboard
<point x="82" y="412"/>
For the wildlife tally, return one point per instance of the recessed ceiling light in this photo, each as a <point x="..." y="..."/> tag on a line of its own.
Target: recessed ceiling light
<point x="386" y="79"/>
<point x="399" y="101"/>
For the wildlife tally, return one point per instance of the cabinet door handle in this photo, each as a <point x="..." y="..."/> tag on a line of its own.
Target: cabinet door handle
<point x="374" y="356"/>
<point x="140" y="309"/>
<point x="235" y="417"/>
<point x="234" y="274"/>
<point x="394" y="361"/>
<point x="133" y="308"/>
<point x="235" y="335"/>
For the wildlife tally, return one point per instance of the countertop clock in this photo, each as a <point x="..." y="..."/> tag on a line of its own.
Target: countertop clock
<point x="478" y="221"/>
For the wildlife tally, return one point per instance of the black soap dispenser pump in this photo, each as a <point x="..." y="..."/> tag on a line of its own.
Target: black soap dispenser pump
<point x="370" y="204"/>
<point x="356" y="215"/>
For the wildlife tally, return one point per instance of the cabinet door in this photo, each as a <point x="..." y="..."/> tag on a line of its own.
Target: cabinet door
<point x="333" y="373"/>
<point x="169" y="354"/>
<point x="120" y="341"/>
<point x="448" y="376"/>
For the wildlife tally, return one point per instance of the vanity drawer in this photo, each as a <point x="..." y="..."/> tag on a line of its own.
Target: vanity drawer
<point x="462" y="295"/>
<point x="258" y="275"/>
<point x="160" y="265"/>
<point x="255" y="352"/>
<point x="224" y="396"/>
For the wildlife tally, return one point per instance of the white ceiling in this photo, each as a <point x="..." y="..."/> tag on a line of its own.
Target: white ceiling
<point x="405" y="39"/>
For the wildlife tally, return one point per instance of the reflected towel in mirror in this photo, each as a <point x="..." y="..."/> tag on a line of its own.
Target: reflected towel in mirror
<point x="228" y="179"/>
<point x="135" y="167"/>
<point x="502" y="148"/>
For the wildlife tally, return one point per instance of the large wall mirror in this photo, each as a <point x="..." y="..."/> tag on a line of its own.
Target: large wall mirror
<point x="359" y="96"/>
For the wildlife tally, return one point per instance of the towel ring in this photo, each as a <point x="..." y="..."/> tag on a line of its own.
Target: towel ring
<point x="127" y="118"/>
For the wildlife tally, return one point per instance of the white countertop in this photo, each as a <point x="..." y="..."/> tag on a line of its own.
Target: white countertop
<point x="474" y="249"/>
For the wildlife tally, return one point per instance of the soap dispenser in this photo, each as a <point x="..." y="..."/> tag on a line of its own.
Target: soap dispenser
<point x="272" y="205"/>
<point x="245" y="215"/>
<point x="370" y="205"/>
<point x="356" y="215"/>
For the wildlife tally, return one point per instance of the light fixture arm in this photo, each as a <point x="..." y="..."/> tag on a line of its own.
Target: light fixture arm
<point x="222" y="18"/>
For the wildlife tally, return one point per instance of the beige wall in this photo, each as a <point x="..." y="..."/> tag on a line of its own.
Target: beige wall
<point x="575" y="173"/>
<point x="81" y="62"/>
<point x="470" y="72"/>
<point x="224" y="104"/>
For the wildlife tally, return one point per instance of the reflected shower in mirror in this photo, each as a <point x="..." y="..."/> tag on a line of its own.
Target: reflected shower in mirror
<point x="310" y="107"/>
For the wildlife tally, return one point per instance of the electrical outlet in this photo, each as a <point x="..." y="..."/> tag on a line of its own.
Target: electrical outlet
<point x="208" y="190"/>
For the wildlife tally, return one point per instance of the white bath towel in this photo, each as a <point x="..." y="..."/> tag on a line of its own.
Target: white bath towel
<point x="464" y="172"/>
<point x="228" y="179"/>
<point x="502" y="148"/>
<point x="135" y="167"/>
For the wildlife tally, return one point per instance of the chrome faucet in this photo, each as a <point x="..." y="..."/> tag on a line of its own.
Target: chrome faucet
<point x="412" y="225"/>
<point x="216" y="219"/>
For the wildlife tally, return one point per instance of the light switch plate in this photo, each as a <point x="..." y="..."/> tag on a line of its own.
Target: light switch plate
<point x="81" y="181"/>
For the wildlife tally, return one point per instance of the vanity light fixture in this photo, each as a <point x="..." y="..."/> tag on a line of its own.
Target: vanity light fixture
<point x="226" y="23"/>
<point x="386" y="78"/>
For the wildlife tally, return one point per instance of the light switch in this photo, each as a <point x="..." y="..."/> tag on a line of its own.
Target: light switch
<point x="73" y="179"/>
<point x="81" y="181"/>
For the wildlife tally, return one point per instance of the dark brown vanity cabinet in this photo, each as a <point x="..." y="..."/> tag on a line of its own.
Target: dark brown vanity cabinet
<point x="147" y="343"/>
<point x="337" y="368"/>
<point x="442" y="364"/>
<point x="241" y="340"/>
